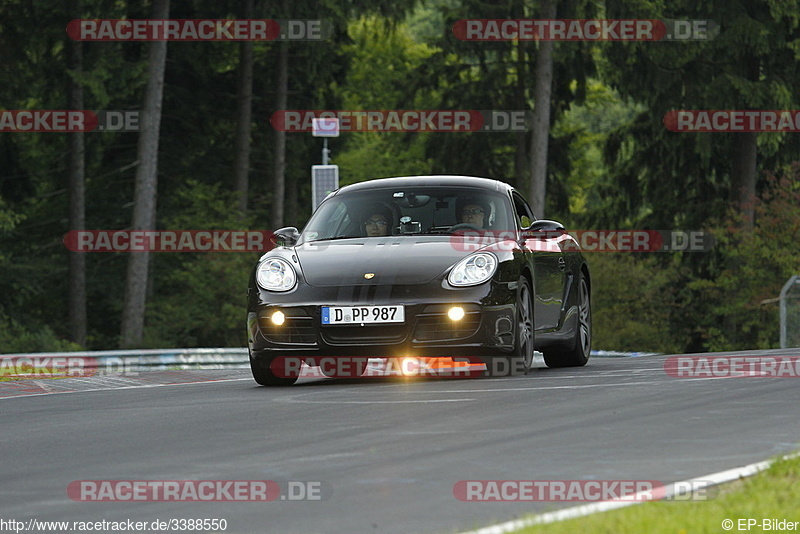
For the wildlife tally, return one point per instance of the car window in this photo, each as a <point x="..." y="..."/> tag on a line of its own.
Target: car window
<point x="524" y="215"/>
<point x="408" y="211"/>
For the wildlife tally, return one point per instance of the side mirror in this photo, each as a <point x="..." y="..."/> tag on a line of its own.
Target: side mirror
<point x="545" y="229"/>
<point x="286" y="237"/>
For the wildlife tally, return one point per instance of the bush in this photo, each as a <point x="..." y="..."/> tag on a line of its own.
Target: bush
<point x="16" y="338"/>
<point x="634" y="301"/>
<point x="739" y="297"/>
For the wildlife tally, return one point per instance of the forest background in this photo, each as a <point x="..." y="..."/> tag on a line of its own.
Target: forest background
<point x="610" y="163"/>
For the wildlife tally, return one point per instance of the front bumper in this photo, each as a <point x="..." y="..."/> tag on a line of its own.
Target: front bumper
<point x="487" y="329"/>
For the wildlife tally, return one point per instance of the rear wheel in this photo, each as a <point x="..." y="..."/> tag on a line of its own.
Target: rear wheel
<point x="264" y="374"/>
<point x="578" y="354"/>
<point x="519" y="361"/>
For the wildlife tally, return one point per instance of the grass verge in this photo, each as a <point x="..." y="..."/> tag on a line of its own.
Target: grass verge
<point x="773" y="494"/>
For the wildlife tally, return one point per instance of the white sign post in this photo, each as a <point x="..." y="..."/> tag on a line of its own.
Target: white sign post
<point x="325" y="128"/>
<point x="324" y="178"/>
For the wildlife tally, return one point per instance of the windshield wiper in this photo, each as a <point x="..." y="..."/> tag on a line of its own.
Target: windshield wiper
<point x="334" y="238"/>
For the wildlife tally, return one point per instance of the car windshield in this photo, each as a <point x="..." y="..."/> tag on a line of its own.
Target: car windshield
<point x="408" y="211"/>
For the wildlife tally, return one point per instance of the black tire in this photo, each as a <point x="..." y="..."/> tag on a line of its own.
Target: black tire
<point x="578" y="354"/>
<point x="263" y="374"/>
<point x="518" y="362"/>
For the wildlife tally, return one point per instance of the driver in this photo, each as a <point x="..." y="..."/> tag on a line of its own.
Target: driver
<point x="472" y="211"/>
<point x="377" y="221"/>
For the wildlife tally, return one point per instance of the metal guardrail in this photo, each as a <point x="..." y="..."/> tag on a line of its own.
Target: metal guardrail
<point x="113" y="361"/>
<point x="109" y="361"/>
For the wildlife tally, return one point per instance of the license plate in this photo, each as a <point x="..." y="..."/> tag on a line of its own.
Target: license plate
<point x="362" y="314"/>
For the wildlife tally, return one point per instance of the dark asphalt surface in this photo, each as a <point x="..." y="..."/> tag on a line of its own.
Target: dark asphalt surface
<point x="387" y="451"/>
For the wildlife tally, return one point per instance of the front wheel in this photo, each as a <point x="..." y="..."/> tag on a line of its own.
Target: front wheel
<point x="264" y="375"/>
<point x="518" y="362"/>
<point x="578" y="354"/>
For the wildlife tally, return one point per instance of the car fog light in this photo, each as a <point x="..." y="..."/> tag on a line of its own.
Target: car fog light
<point x="278" y="318"/>
<point x="456" y="313"/>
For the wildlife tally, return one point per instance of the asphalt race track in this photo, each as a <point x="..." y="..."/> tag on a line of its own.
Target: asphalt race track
<point x="386" y="452"/>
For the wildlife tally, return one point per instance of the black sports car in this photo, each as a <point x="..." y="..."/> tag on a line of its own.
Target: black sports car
<point x="425" y="266"/>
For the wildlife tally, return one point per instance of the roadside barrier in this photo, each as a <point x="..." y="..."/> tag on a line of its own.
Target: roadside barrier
<point x="89" y="363"/>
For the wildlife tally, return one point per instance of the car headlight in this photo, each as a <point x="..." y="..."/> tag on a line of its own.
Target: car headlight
<point x="473" y="270"/>
<point x="275" y="274"/>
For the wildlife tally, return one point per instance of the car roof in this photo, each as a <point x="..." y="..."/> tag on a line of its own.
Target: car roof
<point x="441" y="180"/>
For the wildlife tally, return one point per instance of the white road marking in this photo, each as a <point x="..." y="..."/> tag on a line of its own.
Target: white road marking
<point x="142" y="386"/>
<point x="294" y="399"/>
<point x="533" y="386"/>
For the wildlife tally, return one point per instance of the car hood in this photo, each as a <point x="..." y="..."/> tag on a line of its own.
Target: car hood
<point x="392" y="260"/>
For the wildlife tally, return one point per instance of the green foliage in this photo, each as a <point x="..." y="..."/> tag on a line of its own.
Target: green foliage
<point x="739" y="297"/>
<point x="666" y="303"/>
<point x="667" y="179"/>
<point x="583" y="129"/>
<point x="634" y="303"/>
<point x="8" y="219"/>
<point x="18" y="338"/>
<point x="199" y="298"/>
<point x="612" y="164"/>
<point x="376" y="155"/>
<point x="201" y="302"/>
<point x="383" y="56"/>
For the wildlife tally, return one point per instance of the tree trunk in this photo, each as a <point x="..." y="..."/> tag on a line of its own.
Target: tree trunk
<point x="144" y="210"/>
<point x="241" y="157"/>
<point x="279" y="169"/>
<point x="521" y="149"/>
<point x="745" y="154"/>
<point x="743" y="176"/>
<point x="292" y="206"/>
<point x="77" y="196"/>
<point x="543" y="84"/>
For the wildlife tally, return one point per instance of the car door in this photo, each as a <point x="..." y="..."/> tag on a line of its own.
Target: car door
<point x="542" y="241"/>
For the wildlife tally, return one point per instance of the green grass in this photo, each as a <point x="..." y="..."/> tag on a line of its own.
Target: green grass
<point x="30" y="373"/>
<point x="771" y="494"/>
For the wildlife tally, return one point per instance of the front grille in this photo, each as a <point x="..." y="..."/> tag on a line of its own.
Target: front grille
<point x="433" y="324"/>
<point x="298" y="329"/>
<point x="370" y="334"/>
